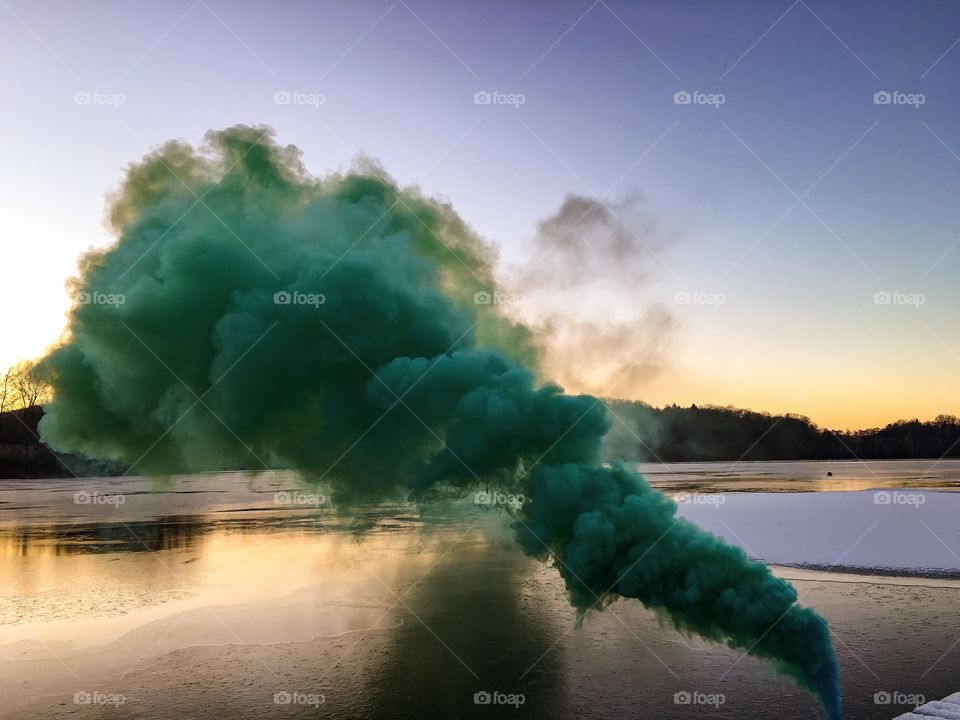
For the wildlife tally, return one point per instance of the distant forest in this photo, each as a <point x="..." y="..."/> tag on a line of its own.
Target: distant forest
<point x="23" y="455"/>
<point x="686" y="434"/>
<point x="640" y="433"/>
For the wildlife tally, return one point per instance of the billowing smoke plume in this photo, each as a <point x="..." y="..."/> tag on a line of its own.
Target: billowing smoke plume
<point x="251" y="315"/>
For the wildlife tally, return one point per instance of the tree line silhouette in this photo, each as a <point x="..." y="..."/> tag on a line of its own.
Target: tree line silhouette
<point x="644" y="433"/>
<point x="640" y="433"/>
<point x="24" y="455"/>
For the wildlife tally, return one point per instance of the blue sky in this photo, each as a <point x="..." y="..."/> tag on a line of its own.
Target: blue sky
<point x="798" y="328"/>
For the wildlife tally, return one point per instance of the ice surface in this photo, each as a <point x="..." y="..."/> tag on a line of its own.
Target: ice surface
<point x="948" y="708"/>
<point x="913" y="531"/>
<point x="940" y="709"/>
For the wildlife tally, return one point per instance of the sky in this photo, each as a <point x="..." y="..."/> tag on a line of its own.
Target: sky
<point x="795" y="166"/>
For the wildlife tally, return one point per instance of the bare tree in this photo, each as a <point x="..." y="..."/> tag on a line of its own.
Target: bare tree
<point x="24" y="385"/>
<point x="6" y="389"/>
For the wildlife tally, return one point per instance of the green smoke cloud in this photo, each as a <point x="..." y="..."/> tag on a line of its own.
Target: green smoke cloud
<point x="251" y="315"/>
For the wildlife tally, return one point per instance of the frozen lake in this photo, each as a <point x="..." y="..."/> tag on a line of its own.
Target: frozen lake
<point x="214" y="596"/>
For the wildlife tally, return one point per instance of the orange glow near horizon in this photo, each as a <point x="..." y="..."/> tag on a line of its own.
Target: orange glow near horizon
<point x="848" y="398"/>
<point x="843" y="402"/>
